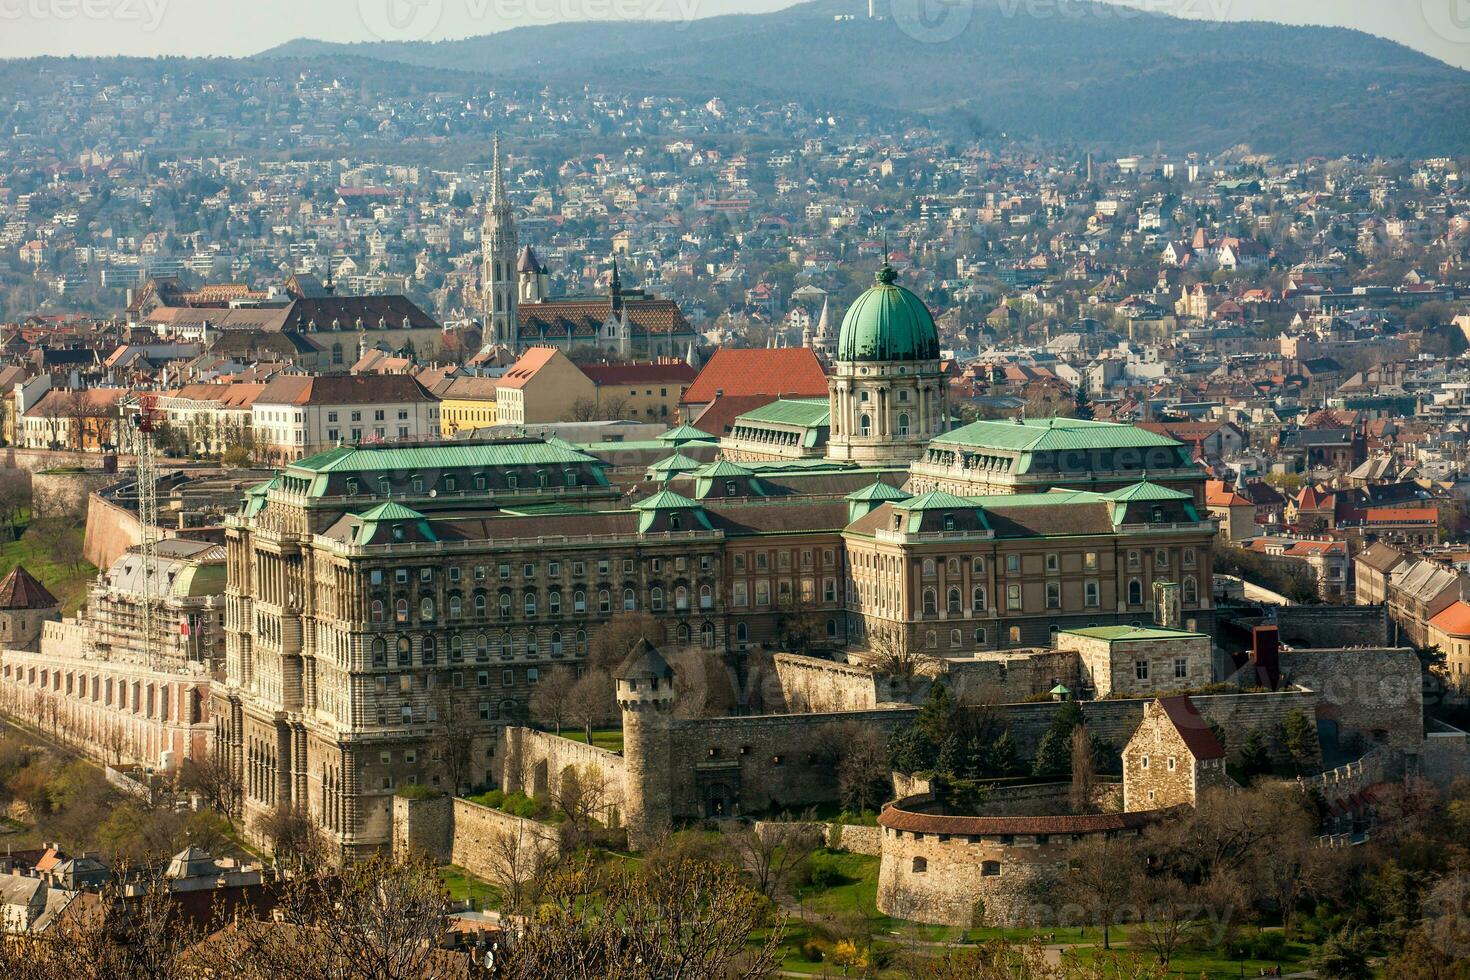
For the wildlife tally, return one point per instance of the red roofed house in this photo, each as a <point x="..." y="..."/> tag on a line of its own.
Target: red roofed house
<point x="1237" y="515"/>
<point x="1450" y="632"/>
<point x="1172" y="758"/>
<point x="771" y="373"/>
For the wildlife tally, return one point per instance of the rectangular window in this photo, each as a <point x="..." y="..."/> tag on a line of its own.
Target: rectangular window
<point x="1013" y="564"/>
<point x="1089" y="561"/>
<point x="1181" y="667"/>
<point x="1013" y="598"/>
<point x="507" y="678"/>
<point x="1090" y="595"/>
<point x="1134" y="561"/>
<point x="1161" y="558"/>
<point x="1053" y="562"/>
<point x="1053" y="595"/>
<point x="1140" y="669"/>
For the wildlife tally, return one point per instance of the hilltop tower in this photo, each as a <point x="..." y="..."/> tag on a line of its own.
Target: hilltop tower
<point x="645" y="687"/>
<point x="887" y="391"/>
<point x="498" y="252"/>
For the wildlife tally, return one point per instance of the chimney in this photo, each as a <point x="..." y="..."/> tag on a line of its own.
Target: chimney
<point x="1266" y="655"/>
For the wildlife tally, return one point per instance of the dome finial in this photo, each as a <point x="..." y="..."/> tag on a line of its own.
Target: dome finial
<point x="886" y="275"/>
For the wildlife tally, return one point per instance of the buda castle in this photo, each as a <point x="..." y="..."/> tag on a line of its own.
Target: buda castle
<point x="381" y="598"/>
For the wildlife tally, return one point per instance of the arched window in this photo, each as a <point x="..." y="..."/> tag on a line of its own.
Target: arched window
<point x="955" y="638"/>
<point x="377" y="610"/>
<point x="400" y="610"/>
<point x="428" y="652"/>
<point x="929" y="567"/>
<point x="931" y="602"/>
<point x="555" y="643"/>
<point x="456" y="607"/>
<point x="656" y="599"/>
<point x="482" y="648"/>
<point x="380" y="652"/>
<point x="579" y="601"/>
<point x="503" y="646"/>
<point x="707" y="635"/>
<point x="953" y="605"/>
<point x="630" y="601"/>
<point x="706" y="597"/>
<point x="742" y="632"/>
<point x="480" y="604"/>
<point x="456" y="648"/>
<point x="530" y="603"/>
<point x="581" y="641"/>
<point x="604" y="600"/>
<point x="1135" y="592"/>
<point x="505" y="605"/>
<point x="1191" y="589"/>
<point x="681" y="598"/>
<point x="684" y="633"/>
<point x="405" y="651"/>
<point x="903" y="424"/>
<point x="865" y="425"/>
<point x="977" y="598"/>
<point x="426" y="609"/>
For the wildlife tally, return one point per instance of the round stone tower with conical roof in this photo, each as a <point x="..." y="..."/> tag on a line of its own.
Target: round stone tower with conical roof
<point x="645" y="686"/>
<point x="887" y="392"/>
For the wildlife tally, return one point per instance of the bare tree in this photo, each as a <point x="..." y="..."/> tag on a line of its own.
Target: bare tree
<point x="678" y="921"/>
<point x="1101" y="878"/>
<point x="515" y="857"/>
<point x="15" y="499"/>
<point x="295" y="837"/>
<point x="773" y="852"/>
<point x="455" y="739"/>
<point x="861" y="758"/>
<point x="581" y="793"/>
<point x="548" y="703"/>
<point x="215" y="780"/>
<point x="375" y="919"/>
<point x="590" y="701"/>
<point x="612" y="643"/>
<point x="1169" y="909"/>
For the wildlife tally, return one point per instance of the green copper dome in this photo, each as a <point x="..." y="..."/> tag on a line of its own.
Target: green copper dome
<point x="888" y="323"/>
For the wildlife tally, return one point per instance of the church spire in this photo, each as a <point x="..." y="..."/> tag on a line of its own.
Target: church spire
<point x="498" y="249"/>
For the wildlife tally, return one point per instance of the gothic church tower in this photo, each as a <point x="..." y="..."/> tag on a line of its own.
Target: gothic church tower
<point x="498" y="250"/>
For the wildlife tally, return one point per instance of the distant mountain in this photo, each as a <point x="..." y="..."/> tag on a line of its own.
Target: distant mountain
<point x="1091" y="75"/>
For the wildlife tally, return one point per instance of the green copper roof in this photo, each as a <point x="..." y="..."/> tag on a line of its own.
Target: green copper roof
<point x="686" y="433"/>
<point x="878" y="490"/>
<point x="1145" y="491"/>
<point x="665" y="500"/>
<point x="395" y="513"/>
<point x="671" y="465"/>
<point x="806" y="412"/>
<point x="888" y="323"/>
<point x="390" y="511"/>
<point x="723" y="468"/>
<point x="346" y="459"/>
<point x="1053" y="434"/>
<point x="649" y="508"/>
<point x="1115" y="633"/>
<point x="935" y="500"/>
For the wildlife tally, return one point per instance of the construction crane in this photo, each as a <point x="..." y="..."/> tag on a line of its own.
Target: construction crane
<point x="146" y="422"/>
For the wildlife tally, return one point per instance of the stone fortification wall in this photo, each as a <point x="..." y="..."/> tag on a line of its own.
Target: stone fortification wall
<point x="423" y="826"/>
<point x="857" y="838"/>
<point x="65" y="494"/>
<point x="810" y="684"/>
<point x="111" y="530"/>
<point x="1328" y="626"/>
<point x="483" y="837"/>
<point x="1369" y="695"/>
<point x="533" y="762"/>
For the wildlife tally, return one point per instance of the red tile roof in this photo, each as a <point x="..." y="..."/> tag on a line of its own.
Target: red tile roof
<point x="1453" y="619"/>
<point x="793" y="372"/>
<point x="674" y="373"/>
<point x="21" y="590"/>
<point x="1198" y="737"/>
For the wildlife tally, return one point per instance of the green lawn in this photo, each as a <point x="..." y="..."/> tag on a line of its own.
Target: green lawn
<point x="603" y="738"/>
<point x="1210" y="963"/>
<point x="462" y="885"/>
<point x="65" y="582"/>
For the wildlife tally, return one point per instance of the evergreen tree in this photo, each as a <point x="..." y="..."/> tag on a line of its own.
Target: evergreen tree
<point x="1253" y="758"/>
<point x="951" y="760"/>
<point x="936" y="720"/>
<point x="1000" y="757"/>
<point x="1054" y="753"/>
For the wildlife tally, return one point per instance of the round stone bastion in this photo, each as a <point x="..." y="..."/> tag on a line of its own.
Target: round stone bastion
<point x="986" y="869"/>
